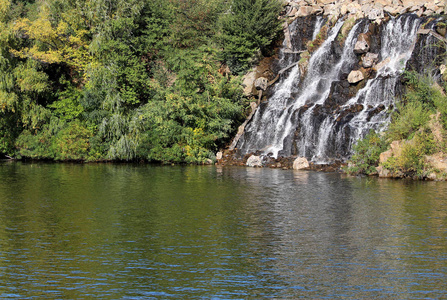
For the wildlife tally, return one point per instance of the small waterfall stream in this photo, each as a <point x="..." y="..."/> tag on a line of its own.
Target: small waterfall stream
<point x="320" y="115"/>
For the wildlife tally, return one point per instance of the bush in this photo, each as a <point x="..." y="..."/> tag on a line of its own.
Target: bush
<point x="411" y="161"/>
<point x="366" y="154"/>
<point x="407" y="119"/>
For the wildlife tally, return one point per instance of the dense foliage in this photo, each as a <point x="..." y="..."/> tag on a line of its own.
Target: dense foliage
<point x="96" y="80"/>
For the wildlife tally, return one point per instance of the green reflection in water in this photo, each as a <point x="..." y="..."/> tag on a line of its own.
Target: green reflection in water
<point x="141" y="231"/>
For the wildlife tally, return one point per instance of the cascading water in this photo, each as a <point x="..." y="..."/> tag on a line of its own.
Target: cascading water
<point x="320" y="115"/>
<point x="380" y="91"/>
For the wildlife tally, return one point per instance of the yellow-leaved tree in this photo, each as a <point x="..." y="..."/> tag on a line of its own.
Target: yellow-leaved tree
<point x="54" y="37"/>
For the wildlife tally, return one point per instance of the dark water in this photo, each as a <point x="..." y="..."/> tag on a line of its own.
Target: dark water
<point x="150" y="232"/>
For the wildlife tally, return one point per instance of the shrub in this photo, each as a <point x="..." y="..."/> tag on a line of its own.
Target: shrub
<point x="366" y="154"/>
<point x="411" y="161"/>
<point x="407" y="119"/>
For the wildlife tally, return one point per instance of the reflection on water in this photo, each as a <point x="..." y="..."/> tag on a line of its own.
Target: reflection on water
<point x="151" y="232"/>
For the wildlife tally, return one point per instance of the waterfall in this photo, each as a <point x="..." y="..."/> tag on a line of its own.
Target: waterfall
<point x="319" y="115"/>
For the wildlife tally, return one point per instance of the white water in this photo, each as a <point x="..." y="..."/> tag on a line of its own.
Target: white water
<point x="398" y="40"/>
<point x="292" y="121"/>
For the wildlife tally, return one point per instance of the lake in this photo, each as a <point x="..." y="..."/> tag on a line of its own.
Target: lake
<point x="136" y="231"/>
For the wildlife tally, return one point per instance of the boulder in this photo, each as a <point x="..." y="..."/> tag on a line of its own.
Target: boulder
<point x="441" y="29"/>
<point x="362" y="44"/>
<point x="430" y="5"/>
<point x="293" y="12"/>
<point x="375" y="14"/>
<point x="384" y="156"/>
<point x="248" y="81"/>
<point x="261" y="83"/>
<point x="355" y="76"/>
<point x="437" y="161"/>
<point x="381" y="64"/>
<point x="300" y="163"/>
<point x="369" y="59"/>
<point x="393" y="10"/>
<point x="254" y="161"/>
<point x="396" y="150"/>
<point x="440" y="10"/>
<point x="219" y="155"/>
<point x="383" y="173"/>
<point x="361" y="47"/>
<point x="324" y="2"/>
<point x="317" y="10"/>
<point x="304" y="11"/>
<point x="432" y="176"/>
<point x="343" y="9"/>
<point x="354" y="7"/>
<point x="407" y="3"/>
<point x="328" y="9"/>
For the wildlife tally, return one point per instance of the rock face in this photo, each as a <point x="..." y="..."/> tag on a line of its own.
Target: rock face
<point x="300" y="163"/>
<point x="254" y="161"/>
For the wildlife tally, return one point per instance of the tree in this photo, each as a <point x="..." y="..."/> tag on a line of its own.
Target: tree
<point x="247" y="28"/>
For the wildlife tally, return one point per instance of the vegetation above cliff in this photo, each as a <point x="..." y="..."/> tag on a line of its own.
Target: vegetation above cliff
<point x="96" y="80"/>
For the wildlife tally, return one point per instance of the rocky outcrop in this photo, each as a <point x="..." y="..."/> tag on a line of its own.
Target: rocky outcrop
<point x="371" y="9"/>
<point x="263" y="69"/>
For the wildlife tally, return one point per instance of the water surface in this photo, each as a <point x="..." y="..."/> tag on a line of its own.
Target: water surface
<point x="106" y="231"/>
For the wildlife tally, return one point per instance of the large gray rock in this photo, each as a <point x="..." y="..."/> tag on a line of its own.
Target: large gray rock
<point x="361" y="47"/>
<point x="254" y="161"/>
<point x="375" y="13"/>
<point x="370" y="59"/>
<point x="300" y="163"/>
<point x="304" y="11"/>
<point x="362" y="44"/>
<point x="382" y="64"/>
<point x="355" y="76"/>
<point x="261" y="83"/>
<point x="219" y="155"/>
<point x="248" y="81"/>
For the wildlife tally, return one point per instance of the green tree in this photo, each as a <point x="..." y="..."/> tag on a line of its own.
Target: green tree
<point x="246" y="28"/>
